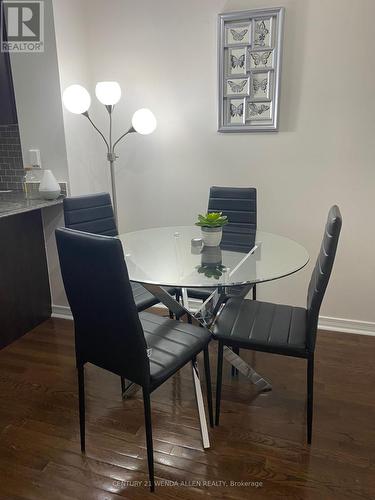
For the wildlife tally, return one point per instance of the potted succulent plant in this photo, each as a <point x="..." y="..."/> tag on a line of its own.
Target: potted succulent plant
<point x="211" y="225"/>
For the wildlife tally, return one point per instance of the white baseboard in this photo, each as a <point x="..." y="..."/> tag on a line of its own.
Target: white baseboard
<point x="62" y="312"/>
<point x="344" y="325"/>
<point x="325" y="322"/>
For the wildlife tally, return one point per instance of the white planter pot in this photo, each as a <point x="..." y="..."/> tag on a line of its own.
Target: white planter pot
<point x="49" y="188"/>
<point x="212" y="236"/>
<point x="211" y="256"/>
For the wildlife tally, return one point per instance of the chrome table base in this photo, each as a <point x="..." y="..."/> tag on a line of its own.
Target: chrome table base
<point x="246" y="370"/>
<point x="206" y="315"/>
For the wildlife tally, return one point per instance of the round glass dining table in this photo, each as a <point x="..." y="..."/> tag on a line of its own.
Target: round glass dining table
<point x="167" y="256"/>
<point x="175" y="257"/>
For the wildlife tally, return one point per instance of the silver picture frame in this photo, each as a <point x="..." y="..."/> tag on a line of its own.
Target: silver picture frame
<point x="249" y="49"/>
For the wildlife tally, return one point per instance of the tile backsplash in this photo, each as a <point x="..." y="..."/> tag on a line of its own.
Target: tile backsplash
<point x="11" y="163"/>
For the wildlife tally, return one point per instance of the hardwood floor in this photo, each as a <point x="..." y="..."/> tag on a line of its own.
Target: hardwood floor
<point x="261" y="438"/>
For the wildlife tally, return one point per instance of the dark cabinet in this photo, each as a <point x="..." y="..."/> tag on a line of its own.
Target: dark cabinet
<point x="25" y="298"/>
<point x="8" y="113"/>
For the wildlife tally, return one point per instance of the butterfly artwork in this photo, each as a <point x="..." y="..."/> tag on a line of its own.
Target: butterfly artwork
<point x="257" y="110"/>
<point x="260" y="85"/>
<point x="238" y="36"/>
<point x="261" y="34"/>
<point x="260" y="58"/>
<point x="236" y="110"/>
<point x="237" y="62"/>
<point x="249" y="60"/>
<point x="237" y="88"/>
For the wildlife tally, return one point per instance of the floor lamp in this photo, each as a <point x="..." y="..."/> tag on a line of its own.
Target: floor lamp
<point x="77" y="100"/>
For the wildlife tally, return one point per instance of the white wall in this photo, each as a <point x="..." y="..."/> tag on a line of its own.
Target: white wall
<point x="88" y="171"/>
<point x="163" y="52"/>
<point x="37" y="92"/>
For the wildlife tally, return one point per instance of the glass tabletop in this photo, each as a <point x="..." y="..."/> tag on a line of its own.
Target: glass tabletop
<point x="165" y="256"/>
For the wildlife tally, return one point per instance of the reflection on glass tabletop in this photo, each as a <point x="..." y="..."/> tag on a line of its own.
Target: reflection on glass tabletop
<point x="165" y="256"/>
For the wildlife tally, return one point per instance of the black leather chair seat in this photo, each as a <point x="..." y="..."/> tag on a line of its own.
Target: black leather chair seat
<point x="263" y="326"/>
<point x="172" y="344"/>
<point x="204" y="293"/>
<point x="200" y="293"/>
<point x="143" y="298"/>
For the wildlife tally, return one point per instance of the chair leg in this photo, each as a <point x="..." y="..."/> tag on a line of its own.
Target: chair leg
<point x="310" y="396"/>
<point x="150" y="449"/>
<point x="81" y="396"/>
<point x="254" y="292"/>
<point x="219" y="377"/>
<point x="208" y="384"/>
<point x="123" y="386"/>
<point x="171" y="315"/>
<point x="128" y="388"/>
<point x="236" y="350"/>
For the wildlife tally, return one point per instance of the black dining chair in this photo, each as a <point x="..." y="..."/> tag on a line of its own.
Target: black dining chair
<point x="239" y="204"/>
<point x="281" y="329"/>
<point x="93" y="213"/>
<point x="146" y="349"/>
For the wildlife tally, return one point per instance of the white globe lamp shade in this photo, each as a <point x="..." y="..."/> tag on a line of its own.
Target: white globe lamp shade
<point x="144" y="121"/>
<point x="108" y="93"/>
<point x="76" y="99"/>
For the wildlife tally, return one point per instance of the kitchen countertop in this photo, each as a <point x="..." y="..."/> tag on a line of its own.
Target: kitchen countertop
<point x="16" y="202"/>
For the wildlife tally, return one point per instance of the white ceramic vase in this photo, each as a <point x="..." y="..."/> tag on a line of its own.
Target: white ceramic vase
<point x="49" y="188"/>
<point x="212" y="236"/>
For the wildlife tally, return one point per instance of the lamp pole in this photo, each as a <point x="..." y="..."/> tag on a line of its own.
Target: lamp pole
<point x="111" y="155"/>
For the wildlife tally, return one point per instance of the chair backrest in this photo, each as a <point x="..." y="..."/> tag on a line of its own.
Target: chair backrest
<point x="108" y="331"/>
<point x="91" y="213"/>
<point x="240" y="206"/>
<point x="322" y="272"/>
